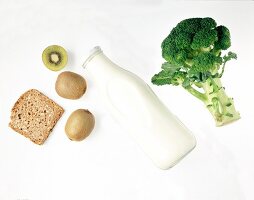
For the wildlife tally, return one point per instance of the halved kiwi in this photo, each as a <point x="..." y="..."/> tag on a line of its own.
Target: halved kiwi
<point x="55" y="57"/>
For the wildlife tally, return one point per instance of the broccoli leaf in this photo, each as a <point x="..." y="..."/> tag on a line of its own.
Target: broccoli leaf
<point x="170" y="68"/>
<point x="166" y="75"/>
<point x="162" y="78"/>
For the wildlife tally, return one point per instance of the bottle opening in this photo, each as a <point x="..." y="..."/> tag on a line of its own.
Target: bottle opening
<point x="95" y="51"/>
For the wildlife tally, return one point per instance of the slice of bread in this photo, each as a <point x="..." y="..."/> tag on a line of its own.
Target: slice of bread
<point x="34" y="115"/>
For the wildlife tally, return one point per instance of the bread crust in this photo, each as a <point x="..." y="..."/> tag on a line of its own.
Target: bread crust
<point x="34" y="116"/>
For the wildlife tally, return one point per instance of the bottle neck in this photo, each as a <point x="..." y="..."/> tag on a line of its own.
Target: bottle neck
<point x="95" y="51"/>
<point x="99" y="66"/>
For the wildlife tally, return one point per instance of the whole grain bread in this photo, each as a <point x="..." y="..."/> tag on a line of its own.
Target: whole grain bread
<point x="34" y="115"/>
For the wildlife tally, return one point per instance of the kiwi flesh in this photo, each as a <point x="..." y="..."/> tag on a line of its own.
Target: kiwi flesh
<point x="55" y="57"/>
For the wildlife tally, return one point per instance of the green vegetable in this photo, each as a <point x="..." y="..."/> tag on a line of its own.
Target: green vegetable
<point x="193" y="53"/>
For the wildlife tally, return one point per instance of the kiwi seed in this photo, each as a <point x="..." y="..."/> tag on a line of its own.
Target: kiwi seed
<point x="55" y="57"/>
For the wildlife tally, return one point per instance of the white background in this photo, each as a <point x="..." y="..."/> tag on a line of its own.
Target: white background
<point x="108" y="164"/>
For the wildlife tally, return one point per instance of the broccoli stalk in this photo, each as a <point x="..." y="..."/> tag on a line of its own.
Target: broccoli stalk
<point x="217" y="102"/>
<point x="193" y="51"/>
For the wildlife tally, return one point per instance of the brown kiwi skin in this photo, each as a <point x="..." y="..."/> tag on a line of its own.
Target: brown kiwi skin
<point x="79" y="125"/>
<point x="70" y="85"/>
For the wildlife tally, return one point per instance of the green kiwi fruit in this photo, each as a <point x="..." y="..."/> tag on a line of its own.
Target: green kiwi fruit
<point x="55" y="57"/>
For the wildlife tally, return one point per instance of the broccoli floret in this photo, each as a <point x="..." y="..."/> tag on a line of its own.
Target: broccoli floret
<point x="208" y="23"/>
<point x="205" y="62"/>
<point x="193" y="51"/>
<point x="191" y="25"/>
<point x="204" y="38"/>
<point x="224" y="41"/>
<point x="173" y="54"/>
<point x="183" y="40"/>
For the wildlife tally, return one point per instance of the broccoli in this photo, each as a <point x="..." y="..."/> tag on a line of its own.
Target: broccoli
<point x="193" y="53"/>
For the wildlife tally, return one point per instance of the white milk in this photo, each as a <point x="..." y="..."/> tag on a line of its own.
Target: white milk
<point x="139" y="111"/>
